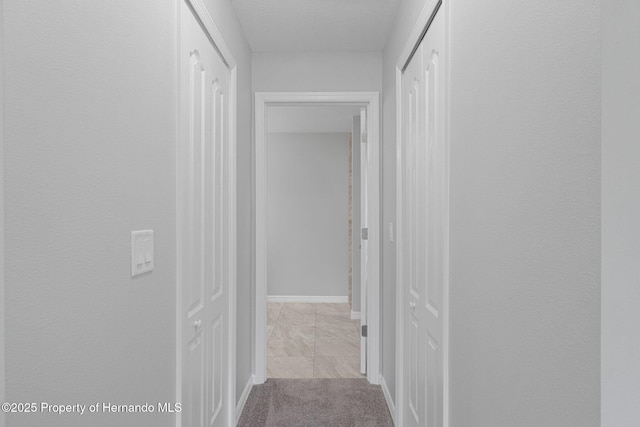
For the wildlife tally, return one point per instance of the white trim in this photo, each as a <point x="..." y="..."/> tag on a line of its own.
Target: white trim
<point x="387" y="397"/>
<point x="309" y="299"/>
<point x="371" y="100"/>
<point x="2" y="284"/>
<point x="414" y="38"/>
<point x="243" y="398"/>
<point x="218" y="42"/>
<point x="399" y="256"/>
<point x="260" y="357"/>
<point x="178" y="384"/>
<point x="355" y="315"/>
<point x="214" y="33"/>
<point x="233" y="253"/>
<point x="446" y="339"/>
<point x="416" y="33"/>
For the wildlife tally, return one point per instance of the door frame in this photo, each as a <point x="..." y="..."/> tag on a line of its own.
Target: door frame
<point x="2" y="320"/>
<point x="413" y="41"/>
<point x="371" y="101"/>
<point x="215" y="36"/>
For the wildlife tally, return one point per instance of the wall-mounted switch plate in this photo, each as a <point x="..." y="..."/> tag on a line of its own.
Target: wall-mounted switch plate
<point x="141" y="252"/>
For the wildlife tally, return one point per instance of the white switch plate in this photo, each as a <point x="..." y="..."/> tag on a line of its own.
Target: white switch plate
<point x="141" y="252"/>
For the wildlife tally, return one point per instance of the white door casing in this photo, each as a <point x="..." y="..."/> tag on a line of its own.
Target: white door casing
<point x="205" y="183"/>
<point x="364" y="240"/>
<point x="370" y="101"/>
<point x="423" y="211"/>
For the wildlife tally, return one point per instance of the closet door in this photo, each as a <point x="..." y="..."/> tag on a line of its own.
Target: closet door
<point x="203" y="236"/>
<point x="424" y="240"/>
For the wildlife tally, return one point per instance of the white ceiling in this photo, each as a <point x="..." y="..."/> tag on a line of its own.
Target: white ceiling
<point x="316" y="25"/>
<point x="310" y="119"/>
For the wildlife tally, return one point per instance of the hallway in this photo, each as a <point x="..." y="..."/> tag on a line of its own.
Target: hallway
<point x="130" y="263"/>
<point x="316" y="403"/>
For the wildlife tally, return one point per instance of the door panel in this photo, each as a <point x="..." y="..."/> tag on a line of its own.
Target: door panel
<point x="195" y="376"/>
<point x="425" y="228"/>
<point x="214" y="377"/>
<point x="203" y="239"/>
<point x="414" y="398"/>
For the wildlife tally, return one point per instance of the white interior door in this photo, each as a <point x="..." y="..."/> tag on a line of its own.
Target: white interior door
<point x="364" y="238"/>
<point x="425" y="229"/>
<point x="203" y="237"/>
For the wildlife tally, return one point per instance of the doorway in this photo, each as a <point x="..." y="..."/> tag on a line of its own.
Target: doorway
<point x="310" y="330"/>
<point x="369" y="102"/>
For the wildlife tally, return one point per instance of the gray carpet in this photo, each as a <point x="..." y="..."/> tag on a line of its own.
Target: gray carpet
<point x="318" y="402"/>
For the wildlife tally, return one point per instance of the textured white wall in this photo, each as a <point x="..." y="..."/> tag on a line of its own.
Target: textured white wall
<point x="307" y="211"/>
<point x="316" y="71"/>
<point x="620" y="213"/>
<point x="525" y="213"/>
<point x="90" y="112"/>
<point x="311" y="119"/>
<point x="90" y="155"/>
<point x="227" y="21"/>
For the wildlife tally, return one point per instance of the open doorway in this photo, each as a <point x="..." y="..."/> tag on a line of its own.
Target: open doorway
<point x="302" y="275"/>
<point x="310" y="330"/>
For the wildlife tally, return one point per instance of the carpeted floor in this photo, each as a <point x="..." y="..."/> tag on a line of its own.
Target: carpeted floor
<point x="351" y="402"/>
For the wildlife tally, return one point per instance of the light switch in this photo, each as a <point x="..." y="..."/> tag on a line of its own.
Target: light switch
<point x="141" y="252"/>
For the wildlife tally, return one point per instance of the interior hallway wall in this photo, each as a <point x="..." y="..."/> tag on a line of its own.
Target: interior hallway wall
<point x="307" y="211"/>
<point x="525" y="209"/>
<point x="90" y="113"/>
<point x="620" y="213"/>
<point x="525" y="213"/>
<point x="89" y="156"/>
<point x="227" y="22"/>
<point x="316" y="71"/>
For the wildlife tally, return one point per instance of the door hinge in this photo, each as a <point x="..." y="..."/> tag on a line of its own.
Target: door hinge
<point x="363" y="137"/>
<point x="365" y="234"/>
<point x="364" y="331"/>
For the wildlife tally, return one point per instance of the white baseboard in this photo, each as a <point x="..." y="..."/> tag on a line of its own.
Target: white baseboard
<point x="244" y="397"/>
<point x="355" y="315"/>
<point x="308" y="299"/>
<point x="387" y="397"/>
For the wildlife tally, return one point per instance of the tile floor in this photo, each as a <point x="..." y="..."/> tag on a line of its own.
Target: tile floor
<point x="312" y="341"/>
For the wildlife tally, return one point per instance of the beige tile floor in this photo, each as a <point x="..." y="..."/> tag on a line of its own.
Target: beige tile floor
<point x="312" y="341"/>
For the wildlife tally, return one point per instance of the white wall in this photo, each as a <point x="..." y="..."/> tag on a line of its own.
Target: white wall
<point x="525" y="209"/>
<point x="307" y="211"/>
<point x="90" y="94"/>
<point x="525" y="213"/>
<point x="90" y="111"/>
<point x="620" y="213"/>
<point x="228" y="24"/>
<point x="316" y="71"/>
<point x="311" y="118"/>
